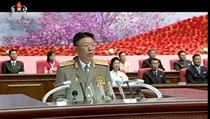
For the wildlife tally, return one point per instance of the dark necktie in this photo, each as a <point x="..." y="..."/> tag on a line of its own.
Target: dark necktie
<point x="86" y="69"/>
<point x="13" y="64"/>
<point x="155" y="73"/>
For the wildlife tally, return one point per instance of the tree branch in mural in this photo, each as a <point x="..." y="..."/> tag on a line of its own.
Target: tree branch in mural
<point x="58" y="28"/>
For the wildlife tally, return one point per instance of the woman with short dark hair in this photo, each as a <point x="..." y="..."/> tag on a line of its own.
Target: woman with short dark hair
<point x="116" y="75"/>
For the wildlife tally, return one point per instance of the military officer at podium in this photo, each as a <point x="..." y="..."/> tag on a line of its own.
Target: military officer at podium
<point x="90" y="78"/>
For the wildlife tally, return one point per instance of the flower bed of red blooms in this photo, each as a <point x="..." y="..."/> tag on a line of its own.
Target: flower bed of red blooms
<point x="189" y="35"/>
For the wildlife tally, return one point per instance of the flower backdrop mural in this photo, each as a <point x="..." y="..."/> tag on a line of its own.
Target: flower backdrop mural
<point x="35" y="33"/>
<point x="58" y="28"/>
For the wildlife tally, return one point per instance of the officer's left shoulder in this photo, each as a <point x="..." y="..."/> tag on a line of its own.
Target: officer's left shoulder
<point x="101" y="62"/>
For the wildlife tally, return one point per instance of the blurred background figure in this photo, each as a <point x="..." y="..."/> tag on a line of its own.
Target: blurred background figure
<point x="12" y="65"/>
<point x="154" y="75"/>
<point x="124" y="65"/>
<point x="197" y="73"/>
<point x="182" y="63"/>
<point x="51" y="66"/>
<point x="116" y="75"/>
<point x="152" y="54"/>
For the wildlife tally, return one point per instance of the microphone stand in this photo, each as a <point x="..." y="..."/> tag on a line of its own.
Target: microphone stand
<point x="102" y="91"/>
<point x="66" y="85"/>
<point x="83" y="92"/>
<point x="129" y="88"/>
<point x="139" y="92"/>
<point x="120" y="89"/>
<point x="111" y="90"/>
<point x="92" y="92"/>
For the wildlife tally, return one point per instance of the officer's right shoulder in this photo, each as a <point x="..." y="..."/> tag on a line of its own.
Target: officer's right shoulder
<point x="66" y="63"/>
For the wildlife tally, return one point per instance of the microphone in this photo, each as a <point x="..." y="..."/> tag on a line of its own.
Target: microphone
<point x="92" y="92"/>
<point x="120" y="89"/>
<point x="65" y="85"/>
<point x="140" y="83"/>
<point x="129" y="88"/>
<point x="111" y="90"/>
<point x="83" y="92"/>
<point x="137" y="81"/>
<point x="101" y="89"/>
<point x="74" y="93"/>
<point x="139" y="92"/>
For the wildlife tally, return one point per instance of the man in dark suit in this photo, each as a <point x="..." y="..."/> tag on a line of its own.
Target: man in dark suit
<point x="196" y="73"/>
<point x="182" y="63"/>
<point x="154" y="75"/>
<point x="12" y="65"/>
<point x="152" y="54"/>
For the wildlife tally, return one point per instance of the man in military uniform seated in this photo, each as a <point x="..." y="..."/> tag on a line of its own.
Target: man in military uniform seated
<point x="196" y="73"/>
<point x="90" y="78"/>
<point x="182" y="63"/>
<point x="154" y="75"/>
<point x="152" y="54"/>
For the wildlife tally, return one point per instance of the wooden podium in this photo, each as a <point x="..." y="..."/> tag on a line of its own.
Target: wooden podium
<point x="16" y="101"/>
<point x="24" y="107"/>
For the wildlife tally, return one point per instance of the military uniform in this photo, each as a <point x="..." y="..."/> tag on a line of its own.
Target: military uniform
<point x="182" y="64"/>
<point x="98" y="76"/>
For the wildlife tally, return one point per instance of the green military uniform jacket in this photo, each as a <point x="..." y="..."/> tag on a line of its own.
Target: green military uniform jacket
<point x="98" y="76"/>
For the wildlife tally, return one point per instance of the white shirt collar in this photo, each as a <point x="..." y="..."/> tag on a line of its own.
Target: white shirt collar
<point x="83" y="64"/>
<point x="13" y="61"/>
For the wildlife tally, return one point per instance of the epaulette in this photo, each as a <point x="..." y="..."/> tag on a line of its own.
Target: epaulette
<point x="66" y="63"/>
<point x="101" y="62"/>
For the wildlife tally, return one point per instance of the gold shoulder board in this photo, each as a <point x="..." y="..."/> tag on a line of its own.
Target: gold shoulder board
<point x="66" y="63"/>
<point x="101" y="62"/>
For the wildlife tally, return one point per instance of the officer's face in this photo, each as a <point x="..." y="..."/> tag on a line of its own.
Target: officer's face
<point x="152" y="54"/>
<point x="197" y="60"/>
<point x="85" y="48"/>
<point x="182" y="56"/>
<point x="13" y="55"/>
<point x="154" y="64"/>
<point x="116" y="65"/>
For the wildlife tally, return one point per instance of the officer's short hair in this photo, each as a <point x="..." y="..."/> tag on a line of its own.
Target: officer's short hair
<point x="78" y="36"/>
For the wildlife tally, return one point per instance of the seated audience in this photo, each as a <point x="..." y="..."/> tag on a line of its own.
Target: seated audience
<point x="51" y="66"/>
<point x="182" y="63"/>
<point x="12" y="65"/>
<point x="124" y="65"/>
<point x="154" y="75"/>
<point x="197" y="73"/>
<point x="116" y="75"/>
<point x="152" y="54"/>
